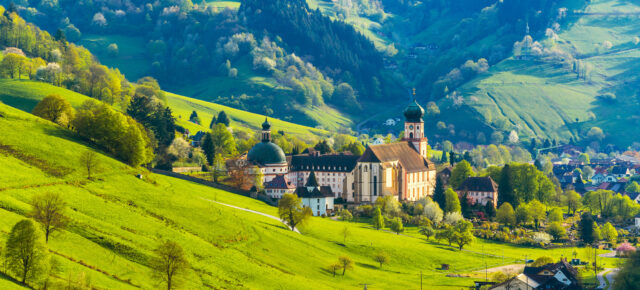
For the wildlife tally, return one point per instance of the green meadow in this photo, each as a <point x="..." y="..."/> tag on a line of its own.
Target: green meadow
<point x="118" y="219"/>
<point x="548" y="101"/>
<point x="25" y="95"/>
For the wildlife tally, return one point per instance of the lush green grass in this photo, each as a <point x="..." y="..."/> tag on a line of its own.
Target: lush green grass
<point x="118" y="219"/>
<point x="546" y="100"/>
<point x="224" y="4"/>
<point x="131" y="59"/>
<point x="25" y="95"/>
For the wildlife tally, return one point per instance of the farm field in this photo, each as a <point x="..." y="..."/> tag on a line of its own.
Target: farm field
<point x="118" y="219"/>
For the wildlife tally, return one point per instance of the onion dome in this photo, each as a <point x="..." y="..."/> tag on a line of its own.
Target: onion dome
<point x="265" y="153"/>
<point x="266" y="125"/>
<point x="414" y="113"/>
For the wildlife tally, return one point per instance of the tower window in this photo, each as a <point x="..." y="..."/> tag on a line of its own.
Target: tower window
<point x="411" y="135"/>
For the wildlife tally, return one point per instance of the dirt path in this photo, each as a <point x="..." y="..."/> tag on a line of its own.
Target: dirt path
<point x="251" y="211"/>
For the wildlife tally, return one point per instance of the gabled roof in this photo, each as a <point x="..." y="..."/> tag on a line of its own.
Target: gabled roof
<point x="312" y="181"/>
<point x="279" y="182"/>
<point x="315" y="192"/>
<point x="482" y="184"/>
<point x="401" y="152"/>
<point x="536" y="274"/>
<point x="619" y="170"/>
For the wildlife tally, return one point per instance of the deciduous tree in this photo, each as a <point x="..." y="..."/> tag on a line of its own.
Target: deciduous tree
<point x="460" y="173"/>
<point x="89" y="161"/>
<point x="169" y="263"/>
<point x="55" y="109"/>
<point x="506" y="215"/>
<point x="291" y="211"/>
<point x="26" y="252"/>
<point x="346" y="263"/>
<point x="381" y="258"/>
<point x="452" y="201"/>
<point x="378" y="219"/>
<point x="48" y="210"/>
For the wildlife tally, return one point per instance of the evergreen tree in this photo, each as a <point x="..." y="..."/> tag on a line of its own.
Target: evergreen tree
<point x="194" y="118"/>
<point x="213" y="122"/>
<point x="444" y="158"/>
<point x="438" y="193"/>
<point x="586" y="228"/>
<point x="467" y="157"/>
<point x="533" y="145"/>
<point x="208" y="147"/>
<point x="465" y="205"/>
<point x="60" y="36"/>
<point x="452" y="158"/>
<point x="505" y="189"/>
<point x="538" y="164"/>
<point x="223" y="119"/>
<point x="489" y="210"/>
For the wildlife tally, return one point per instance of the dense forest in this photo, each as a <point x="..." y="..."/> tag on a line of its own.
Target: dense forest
<point x="314" y="61"/>
<point x="335" y="46"/>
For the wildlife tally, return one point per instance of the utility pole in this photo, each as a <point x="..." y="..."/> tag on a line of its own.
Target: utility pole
<point x="595" y="261"/>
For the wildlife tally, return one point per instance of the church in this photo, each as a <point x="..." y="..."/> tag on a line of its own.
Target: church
<point x="267" y="156"/>
<point x="400" y="169"/>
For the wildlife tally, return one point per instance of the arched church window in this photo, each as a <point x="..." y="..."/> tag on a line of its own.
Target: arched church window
<point x="411" y="135"/>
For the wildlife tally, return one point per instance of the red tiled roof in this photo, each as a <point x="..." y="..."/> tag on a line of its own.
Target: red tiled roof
<point x="279" y="182"/>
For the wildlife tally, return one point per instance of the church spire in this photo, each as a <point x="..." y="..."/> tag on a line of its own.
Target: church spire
<point x="266" y="131"/>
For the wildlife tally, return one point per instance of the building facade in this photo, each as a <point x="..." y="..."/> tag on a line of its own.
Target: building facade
<point x="278" y="186"/>
<point x="479" y="190"/>
<point x="318" y="198"/>
<point x="399" y="169"/>
<point x="330" y="170"/>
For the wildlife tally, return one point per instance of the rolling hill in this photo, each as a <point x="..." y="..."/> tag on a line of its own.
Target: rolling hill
<point x="541" y="98"/>
<point x="118" y="219"/>
<point x="24" y="95"/>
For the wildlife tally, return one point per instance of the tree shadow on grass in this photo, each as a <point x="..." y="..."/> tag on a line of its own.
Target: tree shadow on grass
<point x="282" y="227"/>
<point x="4" y="276"/>
<point x="368" y="266"/>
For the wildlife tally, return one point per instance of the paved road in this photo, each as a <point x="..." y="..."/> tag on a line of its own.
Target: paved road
<point x="609" y="273"/>
<point x="251" y="211"/>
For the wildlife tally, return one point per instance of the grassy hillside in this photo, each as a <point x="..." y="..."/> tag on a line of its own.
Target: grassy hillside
<point x="548" y="101"/>
<point x="133" y="62"/>
<point x="24" y="95"/>
<point x="118" y="219"/>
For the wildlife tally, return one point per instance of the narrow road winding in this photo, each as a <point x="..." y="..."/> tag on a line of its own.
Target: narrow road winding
<point x="252" y="211"/>
<point x="605" y="278"/>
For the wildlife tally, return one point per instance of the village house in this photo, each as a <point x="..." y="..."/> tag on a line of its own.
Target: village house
<point x="318" y="198"/>
<point x="561" y="276"/>
<point x="479" y="190"/>
<point x="400" y="169"/>
<point x="278" y="186"/>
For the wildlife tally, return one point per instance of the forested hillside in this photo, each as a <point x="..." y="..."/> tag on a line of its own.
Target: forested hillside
<point x="216" y="54"/>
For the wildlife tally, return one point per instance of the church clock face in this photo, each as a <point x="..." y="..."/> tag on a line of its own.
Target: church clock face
<point x="411" y="127"/>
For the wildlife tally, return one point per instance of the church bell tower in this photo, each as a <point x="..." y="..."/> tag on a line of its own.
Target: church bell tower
<point x="414" y="126"/>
